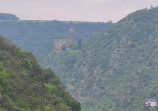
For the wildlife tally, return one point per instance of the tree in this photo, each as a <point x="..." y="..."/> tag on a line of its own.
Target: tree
<point x="63" y="48"/>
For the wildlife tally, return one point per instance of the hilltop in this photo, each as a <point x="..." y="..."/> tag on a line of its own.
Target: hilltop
<point x="7" y="16"/>
<point x="25" y="86"/>
<point x="117" y="69"/>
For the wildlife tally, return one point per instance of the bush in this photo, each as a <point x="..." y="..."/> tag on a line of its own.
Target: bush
<point x="3" y="80"/>
<point x="26" y="64"/>
<point x="50" y="88"/>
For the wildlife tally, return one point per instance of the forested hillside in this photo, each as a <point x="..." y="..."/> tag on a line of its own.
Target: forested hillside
<point x="117" y="70"/>
<point x="38" y="36"/>
<point x="25" y="86"/>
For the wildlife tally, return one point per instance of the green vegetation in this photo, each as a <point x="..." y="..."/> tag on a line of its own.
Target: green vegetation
<point x="25" y="86"/>
<point x="60" y="60"/>
<point x="38" y="36"/>
<point x="117" y="70"/>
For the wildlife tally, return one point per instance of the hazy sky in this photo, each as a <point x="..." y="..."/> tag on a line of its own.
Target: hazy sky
<point x="76" y="10"/>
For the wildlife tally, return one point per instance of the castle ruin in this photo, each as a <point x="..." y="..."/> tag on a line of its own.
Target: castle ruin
<point x="64" y="44"/>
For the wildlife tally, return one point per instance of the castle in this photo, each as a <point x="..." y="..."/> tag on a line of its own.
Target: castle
<point x="64" y="44"/>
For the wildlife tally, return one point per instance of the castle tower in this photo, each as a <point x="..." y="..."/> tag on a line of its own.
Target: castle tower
<point x="72" y="35"/>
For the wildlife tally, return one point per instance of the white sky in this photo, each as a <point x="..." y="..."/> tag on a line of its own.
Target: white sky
<point x="74" y="10"/>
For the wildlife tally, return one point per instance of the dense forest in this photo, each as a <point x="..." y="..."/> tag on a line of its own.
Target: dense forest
<point x="38" y="36"/>
<point x="25" y="86"/>
<point x="117" y="70"/>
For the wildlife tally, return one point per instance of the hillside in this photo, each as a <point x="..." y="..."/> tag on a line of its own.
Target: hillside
<point x="7" y="16"/>
<point x="117" y="69"/>
<point x="25" y="86"/>
<point x="38" y="36"/>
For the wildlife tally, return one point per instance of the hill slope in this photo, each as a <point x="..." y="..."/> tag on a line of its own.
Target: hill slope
<point x="7" y="16"/>
<point x="117" y="69"/>
<point x="38" y="36"/>
<point x="24" y="86"/>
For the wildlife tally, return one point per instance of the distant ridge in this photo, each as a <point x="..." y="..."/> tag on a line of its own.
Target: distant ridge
<point x="38" y="35"/>
<point x="7" y="16"/>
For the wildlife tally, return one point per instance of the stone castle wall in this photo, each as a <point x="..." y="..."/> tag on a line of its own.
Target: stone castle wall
<point x="59" y="43"/>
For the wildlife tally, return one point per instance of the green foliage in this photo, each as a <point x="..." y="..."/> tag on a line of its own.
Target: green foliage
<point x="61" y="59"/>
<point x="117" y="70"/>
<point x="26" y="64"/>
<point x="50" y="88"/>
<point x="48" y="108"/>
<point x="4" y="54"/>
<point x="63" y="48"/>
<point x="25" y="86"/>
<point x="3" y="80"/>
<point x="79" y="43"/>
<point x="73" y="47"/>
